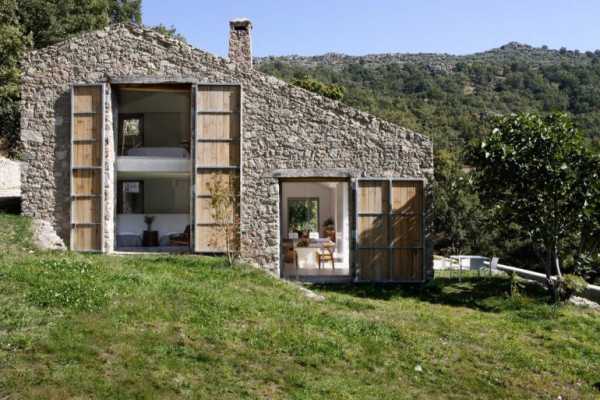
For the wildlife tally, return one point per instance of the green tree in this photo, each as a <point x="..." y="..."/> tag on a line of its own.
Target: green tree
<point x="39" y="23"/>
<point x="458" y="217"/>
<point x="331" y="91"/>
<point x="13" y="43"/>
<point x="50" y="21"/>
<point x="537" y="172"/>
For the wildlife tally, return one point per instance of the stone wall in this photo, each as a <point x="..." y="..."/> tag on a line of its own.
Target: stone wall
<point x="284" y="127"/>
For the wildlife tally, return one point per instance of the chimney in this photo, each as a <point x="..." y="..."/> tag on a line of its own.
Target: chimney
<point x="240" y="46"/>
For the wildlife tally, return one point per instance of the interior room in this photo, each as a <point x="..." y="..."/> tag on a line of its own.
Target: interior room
<point x="315" y="229"/>
<point x="153" y="121"/>
<point x="153" y="214"/>
<point x="153" y="190"/>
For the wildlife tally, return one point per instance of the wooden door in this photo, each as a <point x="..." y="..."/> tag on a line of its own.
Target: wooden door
<point x="389" y="230"/>
<point x="216" y="159"/>
<point x="87" y="125"/>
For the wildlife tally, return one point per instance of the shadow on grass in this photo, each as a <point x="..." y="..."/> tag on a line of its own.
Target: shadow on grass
<point x="489" y="294"/>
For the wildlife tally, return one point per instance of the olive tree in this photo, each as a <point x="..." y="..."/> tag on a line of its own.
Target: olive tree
<point x="537" y="172"/>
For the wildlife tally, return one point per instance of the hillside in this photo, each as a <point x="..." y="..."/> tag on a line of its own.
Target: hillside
<point x="95" y="326"/>
<point x="451" y="98"/>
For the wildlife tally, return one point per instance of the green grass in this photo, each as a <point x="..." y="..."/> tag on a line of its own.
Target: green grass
<point x="90" y="326"/>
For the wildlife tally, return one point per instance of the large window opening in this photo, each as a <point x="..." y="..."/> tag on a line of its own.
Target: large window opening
<point x="154" y="121"/>
<point x="315" y="229"/>
<point x="153" y="178"/>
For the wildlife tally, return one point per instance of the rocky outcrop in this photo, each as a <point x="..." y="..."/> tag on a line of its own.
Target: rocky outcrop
<point x="45" y="237"/>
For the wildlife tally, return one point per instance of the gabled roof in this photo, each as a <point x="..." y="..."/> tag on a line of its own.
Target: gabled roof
<point x="223" y="64"/>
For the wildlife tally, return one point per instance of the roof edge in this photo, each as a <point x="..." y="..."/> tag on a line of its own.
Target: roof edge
<point x="166" y="40"/>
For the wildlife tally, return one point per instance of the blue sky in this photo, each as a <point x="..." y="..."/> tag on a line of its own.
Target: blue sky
<point x="309" y="27"/>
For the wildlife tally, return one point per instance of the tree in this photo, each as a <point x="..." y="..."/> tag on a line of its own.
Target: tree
<point x="39" y="23"/>
<point x="458" y="217"/>
<point x="224" y="207"/>
<point x="50" y="21"/>
<point x="13" y="43"/>
<point x="331" y="91"/>
<point x="537" y="172"/>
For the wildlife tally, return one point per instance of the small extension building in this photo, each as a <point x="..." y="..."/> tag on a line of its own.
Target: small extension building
<point x="125" y="132"/>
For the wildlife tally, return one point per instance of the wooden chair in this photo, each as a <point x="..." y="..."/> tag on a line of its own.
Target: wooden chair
<point x="326" y="254"/>
<point x="182" y="239"/>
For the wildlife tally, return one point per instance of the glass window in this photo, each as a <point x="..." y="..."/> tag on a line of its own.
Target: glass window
<point x="303" y="214"/>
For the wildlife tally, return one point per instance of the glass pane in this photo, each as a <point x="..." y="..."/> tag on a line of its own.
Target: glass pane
<point x="303" y="214"/>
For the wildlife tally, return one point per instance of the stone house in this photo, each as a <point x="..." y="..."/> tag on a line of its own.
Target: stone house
<point x="125" y="129"/>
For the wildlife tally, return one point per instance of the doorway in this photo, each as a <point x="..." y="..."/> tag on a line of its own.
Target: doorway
<point x="315" y="229"/>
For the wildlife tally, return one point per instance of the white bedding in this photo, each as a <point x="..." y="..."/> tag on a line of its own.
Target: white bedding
<point x="169" y="152"/>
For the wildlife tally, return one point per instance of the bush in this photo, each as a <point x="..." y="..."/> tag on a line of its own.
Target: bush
<point x="571" y="285"/>
<point x="331" y="91"/>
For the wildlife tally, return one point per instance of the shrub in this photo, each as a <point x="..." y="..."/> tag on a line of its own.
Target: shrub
<point x="571" y="285"/>
<point x="331" y="91"/>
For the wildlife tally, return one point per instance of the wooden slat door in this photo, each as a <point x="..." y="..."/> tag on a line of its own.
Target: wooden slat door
<point x="389" y="230"/>
<point x="87" y="105"/>
<point x="217" y="157"/>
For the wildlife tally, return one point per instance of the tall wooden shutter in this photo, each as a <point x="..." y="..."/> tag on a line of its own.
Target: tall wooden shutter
<point x="389" y="226"/>
<point x="87" y="123"/>
<point x="217" y="156"/>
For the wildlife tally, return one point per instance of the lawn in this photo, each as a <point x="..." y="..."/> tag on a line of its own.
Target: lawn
<point x="119" y="327"/>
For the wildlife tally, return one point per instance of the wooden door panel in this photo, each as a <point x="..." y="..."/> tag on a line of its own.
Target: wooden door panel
<point x="86" y="167"/>
<point x="389" y="230"/>
<point x="216" y="159"/>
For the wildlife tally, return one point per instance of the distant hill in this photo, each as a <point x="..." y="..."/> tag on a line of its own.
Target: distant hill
<point x="450" y="97"/>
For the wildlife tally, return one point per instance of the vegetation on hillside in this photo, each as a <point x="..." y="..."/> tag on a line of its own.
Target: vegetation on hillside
<point x="450" y="98"/>
<point x="456" y="100"/>
<point x="94" y="326"/>
<point x="536" y="173"/>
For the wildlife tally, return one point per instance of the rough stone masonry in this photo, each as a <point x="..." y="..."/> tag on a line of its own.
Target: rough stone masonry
<point x="283" y="128"/>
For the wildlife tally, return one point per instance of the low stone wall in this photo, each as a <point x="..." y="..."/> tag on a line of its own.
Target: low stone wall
<point x="10" y="178"/>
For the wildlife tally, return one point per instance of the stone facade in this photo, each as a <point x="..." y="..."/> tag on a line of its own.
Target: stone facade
<point x="284" y="128"/>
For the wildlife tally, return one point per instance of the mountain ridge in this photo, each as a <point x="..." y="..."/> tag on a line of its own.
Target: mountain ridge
<point x="510" y="51"/>
<point x="453" y="98"/>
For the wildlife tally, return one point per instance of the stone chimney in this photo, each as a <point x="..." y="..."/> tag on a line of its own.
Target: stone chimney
<point x="240" y="44"/>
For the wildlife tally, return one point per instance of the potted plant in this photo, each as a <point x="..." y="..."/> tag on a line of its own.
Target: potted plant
<point x="148" y="220"/>
<point x="150" y="237"/>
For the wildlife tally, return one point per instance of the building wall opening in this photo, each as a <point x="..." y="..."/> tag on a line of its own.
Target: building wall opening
<point x="315" y="229"/>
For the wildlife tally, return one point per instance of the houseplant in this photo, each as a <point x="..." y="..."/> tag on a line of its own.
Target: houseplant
<point x="148" y="220"/>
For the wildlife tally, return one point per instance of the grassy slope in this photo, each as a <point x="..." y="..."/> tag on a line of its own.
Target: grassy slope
<point x="172" y="327"/>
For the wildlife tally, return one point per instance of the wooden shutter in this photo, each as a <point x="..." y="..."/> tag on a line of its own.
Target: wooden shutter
<point x="87" y="126"/>
<point x="389" y="230"/>
<point x="217" y="157"/>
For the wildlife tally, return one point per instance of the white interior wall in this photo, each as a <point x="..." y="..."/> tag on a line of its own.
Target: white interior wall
<point x="342" y="220"/>
<point x="163" y="223"/>
<point x="333" y="202"/>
